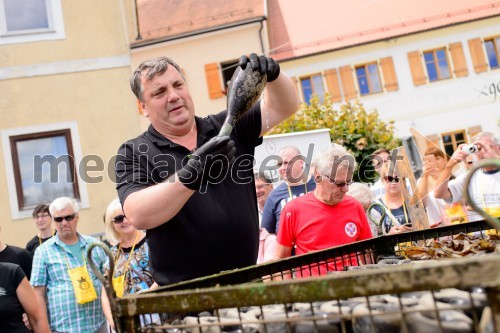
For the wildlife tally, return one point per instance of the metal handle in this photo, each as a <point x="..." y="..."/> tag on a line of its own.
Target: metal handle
<point x="494" y="222"/>
<point x="107" y="283"/>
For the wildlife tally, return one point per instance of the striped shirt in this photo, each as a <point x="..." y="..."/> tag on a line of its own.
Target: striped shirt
<point x="50" y="270"/>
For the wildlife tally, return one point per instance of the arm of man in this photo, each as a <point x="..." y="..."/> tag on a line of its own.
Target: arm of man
<point x="442" y="191"/>
<point x="280" y="102"/>
<point x="37" y="315"/>
<point x="154" y="205"/>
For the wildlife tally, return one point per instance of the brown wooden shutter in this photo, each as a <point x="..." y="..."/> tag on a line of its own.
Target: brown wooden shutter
<point x="213" y="80"/>
<point x="333" y="85"/>
<point x="458" y="57"/>
<point x="347" y="82"/>
<point x="474" y="130"/>
<point x="477" y="54"/>
<point x="417" y="68"/>
<point x="389" y="73"/>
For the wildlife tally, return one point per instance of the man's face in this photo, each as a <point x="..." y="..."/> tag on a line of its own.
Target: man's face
<point x="332" y="188"/>
<point x="43" y="220"/>
<point x="291" y="167"/>
<point x="262" y="190"/>
<point x="167" y="102"/>
<point x="66" y="229"/>
<point x="490" y="150"/>
<point x="379" y="159"/>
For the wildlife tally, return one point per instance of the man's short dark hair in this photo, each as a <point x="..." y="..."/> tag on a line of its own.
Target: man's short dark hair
<point x="263" y="177"/>
<point x="40" y="209"/>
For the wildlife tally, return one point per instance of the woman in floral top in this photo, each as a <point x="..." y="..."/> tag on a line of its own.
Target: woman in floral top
<point x="130" y="254"/>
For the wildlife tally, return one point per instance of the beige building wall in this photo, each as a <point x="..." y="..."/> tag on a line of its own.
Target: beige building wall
<point x="193" y="53"/>
<point x="81" y="79"/>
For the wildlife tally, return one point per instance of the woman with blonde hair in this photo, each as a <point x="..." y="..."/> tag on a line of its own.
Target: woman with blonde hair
<point x="130" y="255"/>
<point x="393" y="208"/>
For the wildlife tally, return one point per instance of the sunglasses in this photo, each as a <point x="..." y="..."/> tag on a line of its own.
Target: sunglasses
<point x="118" y="219"/>
<point x="338" y="184"/>
<point x="67" y="218"/>
<point x="392" y="179"/>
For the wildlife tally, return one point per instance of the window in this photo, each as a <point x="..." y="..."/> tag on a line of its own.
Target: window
<point x="368" y="79"/>
<point x="437" y="65"/>
<point x="30" y="20"/>
<point x="41" y="166"/>
<point x="452" y="140"/>
<point x="313" y="85"/>
<point x="492" y="47"/>
<point x="228" y="69"/>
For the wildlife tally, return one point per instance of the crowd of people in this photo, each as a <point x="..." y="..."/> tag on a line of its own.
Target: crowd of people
<point x="189" y="205"/>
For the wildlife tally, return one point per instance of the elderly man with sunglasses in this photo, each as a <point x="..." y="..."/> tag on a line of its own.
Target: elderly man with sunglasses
<point x="325" y="217"/>
<point x="484" y="187"/>
<point x="63" y="281"/>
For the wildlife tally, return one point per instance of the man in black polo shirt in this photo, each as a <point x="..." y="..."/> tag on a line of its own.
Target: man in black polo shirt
<point x="196" y="224"/>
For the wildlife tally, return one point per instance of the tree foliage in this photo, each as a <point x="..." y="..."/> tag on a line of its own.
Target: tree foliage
<point x="361" y="132"/>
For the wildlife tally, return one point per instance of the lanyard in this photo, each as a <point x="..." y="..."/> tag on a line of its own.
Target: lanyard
<point x="290" y="190"/>
<point x="40" y="239"/>
<point x="130" y="254"/>
<point x="67" y="261"/>
<point x="391" y="216"/>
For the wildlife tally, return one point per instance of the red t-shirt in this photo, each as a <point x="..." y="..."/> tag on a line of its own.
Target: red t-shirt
<point x="312" y="225"/>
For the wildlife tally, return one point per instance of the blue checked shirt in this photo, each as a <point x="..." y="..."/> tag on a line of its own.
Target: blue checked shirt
<point x="50" y="270"/>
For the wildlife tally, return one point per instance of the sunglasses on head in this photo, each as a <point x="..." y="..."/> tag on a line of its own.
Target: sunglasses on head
<point x="118" y="219"/>
<point x="392" y="179"/>
<point x="67" y="218"/>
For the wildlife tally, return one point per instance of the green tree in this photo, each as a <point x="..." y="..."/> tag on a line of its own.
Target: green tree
<point x="361" y="132"/>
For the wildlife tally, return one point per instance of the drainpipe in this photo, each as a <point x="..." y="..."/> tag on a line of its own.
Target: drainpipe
<point x="139" y="37"/>
<point x="260" y="35"/>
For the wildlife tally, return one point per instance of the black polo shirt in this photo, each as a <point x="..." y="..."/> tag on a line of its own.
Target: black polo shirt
<point x="214" y="231"/>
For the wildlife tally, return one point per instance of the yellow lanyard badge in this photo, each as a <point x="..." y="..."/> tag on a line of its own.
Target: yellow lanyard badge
<point x="119" y="281"/>
<point x="82" y="283"/>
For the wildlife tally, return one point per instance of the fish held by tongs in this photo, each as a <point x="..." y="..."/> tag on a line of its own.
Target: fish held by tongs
<point x="244" y="90"/>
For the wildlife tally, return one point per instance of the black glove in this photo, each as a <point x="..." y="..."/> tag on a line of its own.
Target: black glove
<point x="219" y="149"/>
<point x="263" y="64"/>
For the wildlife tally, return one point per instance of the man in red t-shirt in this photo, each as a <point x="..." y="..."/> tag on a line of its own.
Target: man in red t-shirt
<point x="326" y="217"/>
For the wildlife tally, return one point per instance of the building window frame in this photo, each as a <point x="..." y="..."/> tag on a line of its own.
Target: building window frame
<point x="316" y="86"/>
<point x="371" y="81"/>
<point x="493" y="50"/>
<point x="54" y="31"/>
<point x="10" y="140"/>
<point x="435" y="62"/>
<point x="454" y="142"/>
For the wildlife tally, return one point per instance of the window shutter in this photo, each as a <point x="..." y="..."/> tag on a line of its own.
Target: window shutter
<point x="389" y="73"/>
<point x="473" y="131"/>
<point x="477" y="54"/>
<point x="333" y="85"/>
<point x="213" y="80"/>
<point x="417" y="68"/>
<point x="458" y="57"/>
<point x="347" y="82"/>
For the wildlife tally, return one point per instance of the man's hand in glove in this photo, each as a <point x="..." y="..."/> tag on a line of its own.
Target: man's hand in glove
<point x="263" y="64"/>
<point x="217" y="152"/>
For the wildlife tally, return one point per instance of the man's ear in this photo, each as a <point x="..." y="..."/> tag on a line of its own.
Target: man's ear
<point x="318" y="178"/>
<point x="144" y="110"/>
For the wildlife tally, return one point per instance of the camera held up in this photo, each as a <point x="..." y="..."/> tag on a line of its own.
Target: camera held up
<point x="470" y="149"/>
